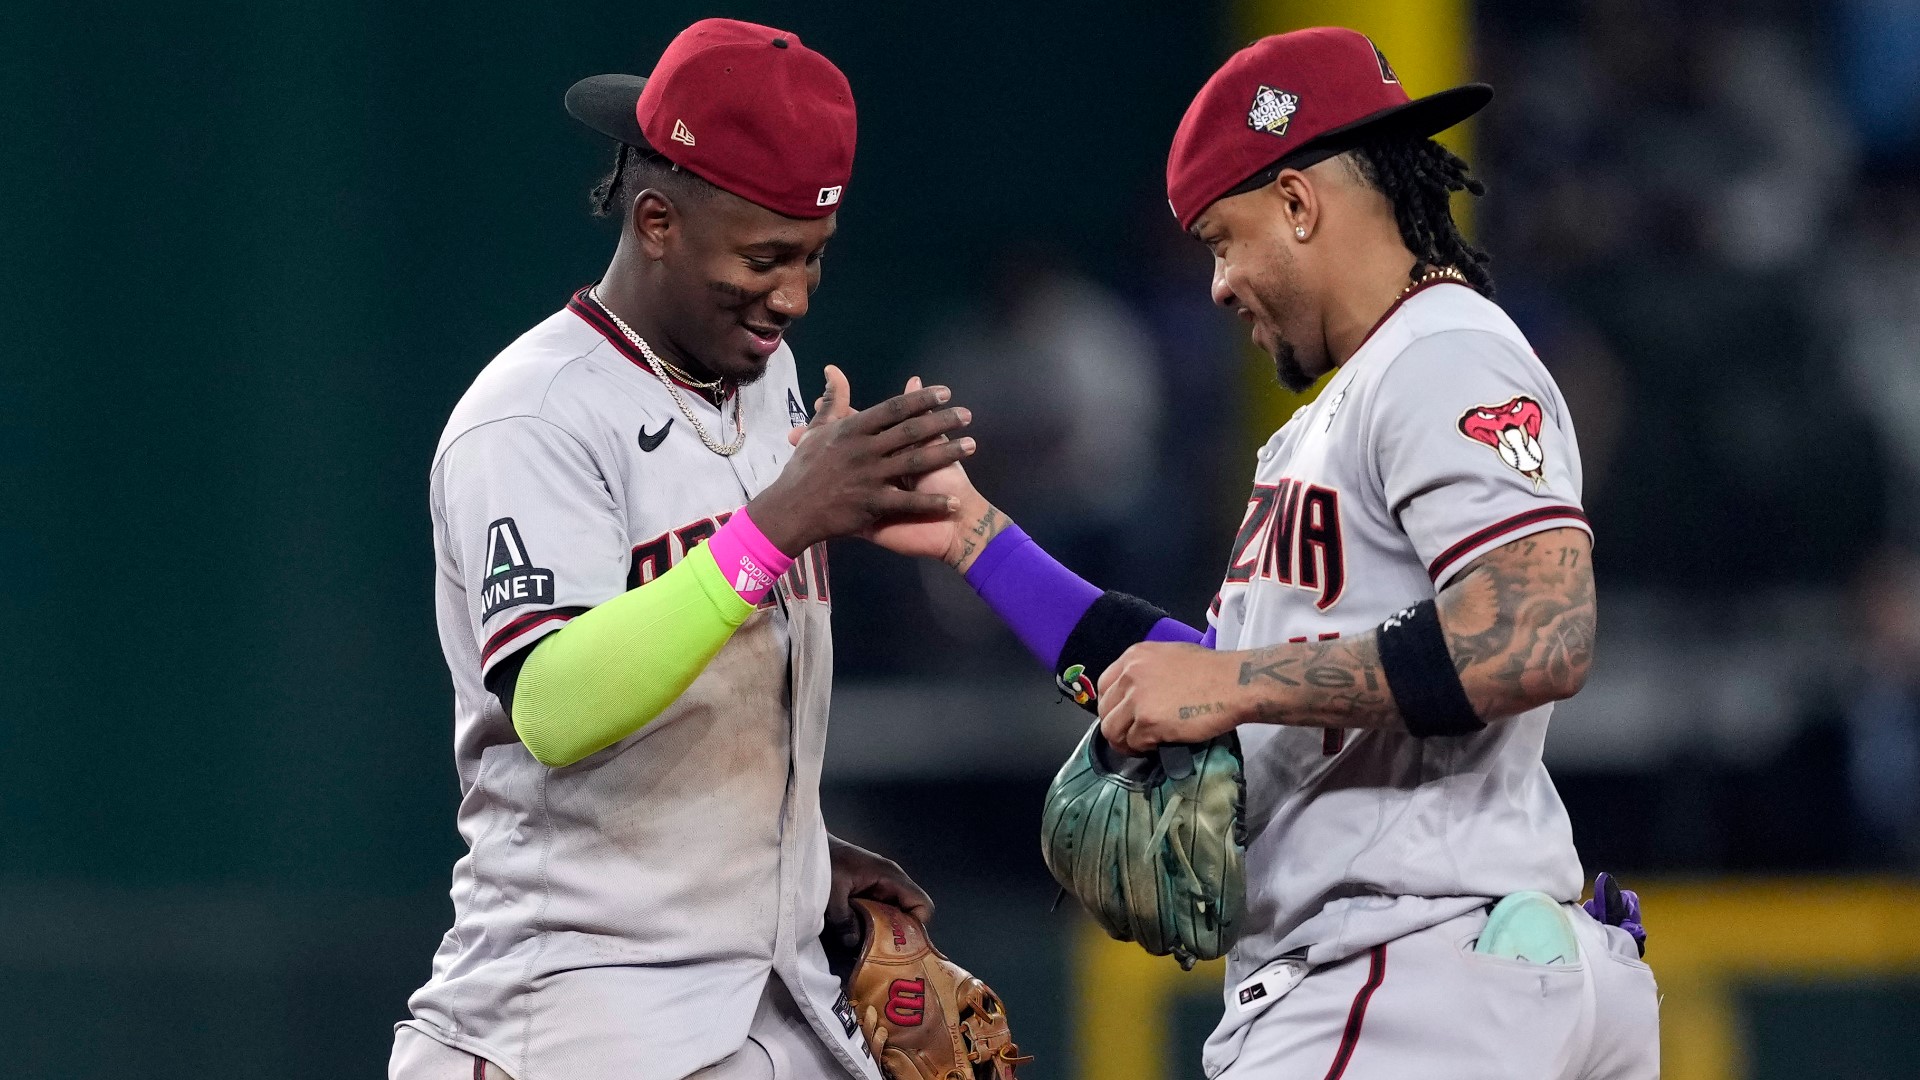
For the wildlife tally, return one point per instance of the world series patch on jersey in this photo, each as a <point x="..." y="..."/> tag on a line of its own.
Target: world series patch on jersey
<point x="1442" y="438"/>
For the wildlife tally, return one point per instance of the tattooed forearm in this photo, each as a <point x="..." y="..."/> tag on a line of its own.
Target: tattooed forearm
<point x="1519" y="625"/>
<point x="973" y="539"/>
<point x="1320" y="684"/>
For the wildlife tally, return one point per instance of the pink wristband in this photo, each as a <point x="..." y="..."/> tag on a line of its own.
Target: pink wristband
<point x="747" y="558"/>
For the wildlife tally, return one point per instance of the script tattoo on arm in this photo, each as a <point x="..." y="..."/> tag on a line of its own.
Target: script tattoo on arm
<point x="1334" y="683"/>
<point x="1519" y="624"/>
<point x="975" y="537"/>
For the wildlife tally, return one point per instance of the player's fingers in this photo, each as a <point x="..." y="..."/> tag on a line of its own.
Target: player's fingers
<point x="904" y="893"/>
<point x="897" y="502"/>
<point x="914" y="900"/>
<point x="1140" y="737"/>
<point x="836" y="401"/>
<point x="900" y="407"/>
<point x="930" y="458"/>
<point x="1143" y="737"/>
<point x="921" y="428"/>
<point x="1115" y="719"/>
<point x="913" y="384"/>
<point x="840" y="914"/>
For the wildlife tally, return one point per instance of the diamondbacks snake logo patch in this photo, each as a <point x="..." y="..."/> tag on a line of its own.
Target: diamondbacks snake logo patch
<point x="1512" y="429"/>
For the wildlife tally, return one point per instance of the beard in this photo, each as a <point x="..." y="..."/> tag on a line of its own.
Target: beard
<point x="1281" y="292"/>
<point x="1286" y="367"/>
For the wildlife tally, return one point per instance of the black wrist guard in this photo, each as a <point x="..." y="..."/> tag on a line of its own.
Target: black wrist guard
<point x="1115" y="623"/>
<point x="1426" y="688"/>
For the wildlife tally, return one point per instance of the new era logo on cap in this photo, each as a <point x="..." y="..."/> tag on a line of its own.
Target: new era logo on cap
<point x="681" y="134"/>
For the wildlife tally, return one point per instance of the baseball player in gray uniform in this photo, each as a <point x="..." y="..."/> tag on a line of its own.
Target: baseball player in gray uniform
<point x="1409" y="593"/>
<point x="633" y="600"/>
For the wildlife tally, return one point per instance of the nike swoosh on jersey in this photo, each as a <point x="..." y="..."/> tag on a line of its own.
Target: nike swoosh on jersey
<point x="649" y="442"/>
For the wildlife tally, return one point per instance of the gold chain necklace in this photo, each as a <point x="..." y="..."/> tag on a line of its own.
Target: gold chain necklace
<point x="1439" y="273"/>
<point x="660" y="369"/>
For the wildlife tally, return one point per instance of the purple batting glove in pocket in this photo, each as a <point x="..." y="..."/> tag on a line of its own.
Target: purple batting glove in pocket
<point x="1615" y="906"/>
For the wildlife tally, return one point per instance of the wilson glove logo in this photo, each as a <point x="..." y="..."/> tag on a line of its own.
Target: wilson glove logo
<point x="907" y="1002"/>
<point x="512" y="579"/>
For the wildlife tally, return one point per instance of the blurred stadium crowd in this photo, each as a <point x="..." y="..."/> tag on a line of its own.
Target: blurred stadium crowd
<point x="1707" y="219"/>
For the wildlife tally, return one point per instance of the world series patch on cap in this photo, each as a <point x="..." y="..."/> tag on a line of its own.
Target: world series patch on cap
<point x="1293" y="100"/>
<point x="745" y="107"/>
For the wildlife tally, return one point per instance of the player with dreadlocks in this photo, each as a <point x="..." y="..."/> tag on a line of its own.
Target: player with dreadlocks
<point x="1408" y="595"/>
<point x="1418" y="176"/>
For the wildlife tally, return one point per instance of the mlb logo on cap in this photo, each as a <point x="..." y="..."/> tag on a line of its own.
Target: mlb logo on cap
<point x="1293" y="100"/>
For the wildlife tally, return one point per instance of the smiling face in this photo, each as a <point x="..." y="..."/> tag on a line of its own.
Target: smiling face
<point x="735" y="277"/>
<point x="1265" y="275"/>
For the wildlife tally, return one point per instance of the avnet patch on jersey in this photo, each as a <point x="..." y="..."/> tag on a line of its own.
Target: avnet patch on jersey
<point x="511" y="579"/>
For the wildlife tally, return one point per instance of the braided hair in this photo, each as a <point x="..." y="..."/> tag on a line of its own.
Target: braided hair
<point x="634" y="171"/>
<point x="1417" y="176"/>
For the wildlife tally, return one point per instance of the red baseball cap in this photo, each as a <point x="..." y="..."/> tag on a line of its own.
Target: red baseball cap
<point x="743" y="106"/>
<point x="1293" y="100"/>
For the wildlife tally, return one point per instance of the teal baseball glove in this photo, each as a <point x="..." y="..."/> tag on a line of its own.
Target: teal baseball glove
<point x="1153" y="846"/>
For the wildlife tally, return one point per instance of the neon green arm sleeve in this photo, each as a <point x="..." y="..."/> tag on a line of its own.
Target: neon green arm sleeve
<point x="615" y="668"/>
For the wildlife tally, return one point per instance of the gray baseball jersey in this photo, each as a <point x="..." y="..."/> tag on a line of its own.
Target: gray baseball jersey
<point x="1442" y="438"/>
<point x="620" y="917"/>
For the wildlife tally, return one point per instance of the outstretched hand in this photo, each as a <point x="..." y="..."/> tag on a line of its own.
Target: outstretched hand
<point x="934" y="536"/>
<point x="850" y="469"/>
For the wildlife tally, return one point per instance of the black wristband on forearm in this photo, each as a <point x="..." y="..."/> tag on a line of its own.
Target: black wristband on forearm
<point x="1420" y="672"/>
<point x="1115" y="623"/>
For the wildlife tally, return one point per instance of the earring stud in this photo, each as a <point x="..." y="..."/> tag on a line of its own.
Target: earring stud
<point x="1300" y="231"/>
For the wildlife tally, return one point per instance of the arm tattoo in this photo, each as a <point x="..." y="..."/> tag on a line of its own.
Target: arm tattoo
<point x="975" y="538"/>
<point x="1519" y="625"/>
<point x="1335" y="683"/>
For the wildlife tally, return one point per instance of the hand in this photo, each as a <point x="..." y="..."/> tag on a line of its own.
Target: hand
<point x="843" y="477"/>
<point x="859" y="872"/>
<point x="964" y="530"/>
<point x="1167" y="692"/>
<point x="956" y="537"/>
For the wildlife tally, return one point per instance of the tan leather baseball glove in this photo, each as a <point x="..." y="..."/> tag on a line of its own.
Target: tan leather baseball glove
<point x="926" y="1017"/>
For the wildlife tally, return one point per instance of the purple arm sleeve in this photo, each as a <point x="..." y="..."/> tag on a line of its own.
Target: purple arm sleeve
<point x="1041" y="600"/>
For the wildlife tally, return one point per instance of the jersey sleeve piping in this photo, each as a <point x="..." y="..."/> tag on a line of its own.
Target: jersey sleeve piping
<point x="1539" y="519"/>
<point x="515" y="632"/>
